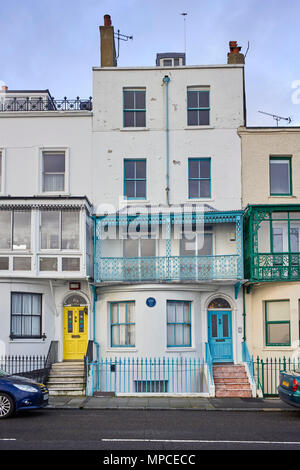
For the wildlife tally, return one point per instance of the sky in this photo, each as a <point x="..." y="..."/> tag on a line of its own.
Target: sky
<point x="55" y="43"/>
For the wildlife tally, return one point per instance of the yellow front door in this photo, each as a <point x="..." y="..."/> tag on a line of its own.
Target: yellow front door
<point x="75" y="332"/>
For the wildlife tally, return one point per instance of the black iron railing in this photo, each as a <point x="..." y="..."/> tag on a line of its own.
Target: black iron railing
<point x="35" y="367"/>
<point x="45" y="104"/>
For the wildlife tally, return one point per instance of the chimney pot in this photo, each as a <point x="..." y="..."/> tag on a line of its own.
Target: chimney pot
<point x="107" y="20"/>
<point x="4" y="88"/>
<point x="235" y="56"/>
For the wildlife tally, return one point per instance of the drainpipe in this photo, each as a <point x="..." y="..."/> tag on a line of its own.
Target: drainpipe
<point x="95" y="297"/>
<point x="244" y="313"/>
<point x="166" y="81"/>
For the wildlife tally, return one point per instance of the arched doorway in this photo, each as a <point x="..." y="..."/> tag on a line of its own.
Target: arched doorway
<point x="75" y="327"/>
<point x="220" y="330"/>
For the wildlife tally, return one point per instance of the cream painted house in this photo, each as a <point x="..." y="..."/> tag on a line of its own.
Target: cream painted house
<point x="271" y="199"/>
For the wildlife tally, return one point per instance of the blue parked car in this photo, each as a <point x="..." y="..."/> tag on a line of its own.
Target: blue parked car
<point x="289" y="387"/>
<point x="19" y="393"/>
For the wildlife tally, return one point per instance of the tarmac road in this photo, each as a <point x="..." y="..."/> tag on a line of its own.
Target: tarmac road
<point x="161" y="430"/>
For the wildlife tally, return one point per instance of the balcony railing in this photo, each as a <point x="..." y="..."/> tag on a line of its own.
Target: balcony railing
<point x="14" y="104"/>
<point x="172" y="268"/>
<point x="276" y="267"/>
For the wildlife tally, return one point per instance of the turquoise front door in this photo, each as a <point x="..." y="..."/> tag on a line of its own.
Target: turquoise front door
<point x="220" y="335"/>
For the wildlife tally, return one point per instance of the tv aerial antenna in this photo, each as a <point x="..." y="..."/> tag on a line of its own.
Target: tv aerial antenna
<point x="277" y="118"/>
<point x="121" y="37"/>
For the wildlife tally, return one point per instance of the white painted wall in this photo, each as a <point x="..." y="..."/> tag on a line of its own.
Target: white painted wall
<point x="112" y="143"/>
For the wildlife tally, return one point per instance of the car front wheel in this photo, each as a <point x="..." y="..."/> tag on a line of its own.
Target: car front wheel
<point x="7" y="405"/>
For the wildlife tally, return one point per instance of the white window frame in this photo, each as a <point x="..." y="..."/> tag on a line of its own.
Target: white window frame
<point x="66" y="190"/>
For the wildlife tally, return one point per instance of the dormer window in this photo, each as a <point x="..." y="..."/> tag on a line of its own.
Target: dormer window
<point x="170" y="59"/>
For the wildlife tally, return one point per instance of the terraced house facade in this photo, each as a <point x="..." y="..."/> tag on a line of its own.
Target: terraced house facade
<point x="270" y="169"/>
<point x="123" y="245"/>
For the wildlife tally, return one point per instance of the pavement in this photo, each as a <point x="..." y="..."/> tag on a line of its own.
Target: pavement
<point x="168" y="403"/>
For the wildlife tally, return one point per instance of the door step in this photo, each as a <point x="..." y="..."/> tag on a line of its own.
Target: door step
<point x="67" y="378"/>
<point x="231" y="381"/>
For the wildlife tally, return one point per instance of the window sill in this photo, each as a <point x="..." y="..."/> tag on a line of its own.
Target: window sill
<point x="275" y="348"/>
<point x="199" y="127"/>
<point x="134" y="129"/>
<point x="53" y="193"/>
<point x="173" y="349"/>
<point x="120" y="349"/>
<point x="204" y="199"/>
<point x="282" y="195"/>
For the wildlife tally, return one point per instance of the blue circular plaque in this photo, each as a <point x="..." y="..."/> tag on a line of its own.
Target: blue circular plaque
<point x="151" y="302"/>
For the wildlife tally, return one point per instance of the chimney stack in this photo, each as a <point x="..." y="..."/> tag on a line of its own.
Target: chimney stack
<point x="235" y="56"/>
<point x="107" y="44"/>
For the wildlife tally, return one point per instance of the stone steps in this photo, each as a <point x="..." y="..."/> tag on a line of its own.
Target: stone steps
<point x="231" y="381"/>
<point x="67" y="378"/>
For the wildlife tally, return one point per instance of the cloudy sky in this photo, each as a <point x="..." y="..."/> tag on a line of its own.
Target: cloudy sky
<point x="54" y="44"/>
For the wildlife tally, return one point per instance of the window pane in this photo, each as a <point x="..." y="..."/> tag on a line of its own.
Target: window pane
<point x="294" y="237"/>
<point x="70" y="264"/>
<point x="114" y="313"/>
<point x="21" y="230"/>
<point x="194" y="169"/>
<point x="5" y="230"/>
<point x="4" y="263"/>
<point x="115" y="335"/>
<point x="129" y="188"/>
<point x="179" y="335"/>
<point x="170" y="312"/>
<point x="140" y="118"/>
<point x="140" y="169"/>
<point x="205" y="244"/>
<point x="54" y="182"/>
<point x="50" y="231"/>
<point x="140" y="100"/>
<point x="48" y="264"/>
<point x="225" y="326"/>
<point x="129" y="119"/>
<point x="70" y="230"/>
<point x="203" y="117"/>
<point x="129" y="169"/>
<point x="140" y="189"/>
<point x="54" y="162"/>
<point x="280" y="176"/>
<point x="204" y="168"/>
<point x="21" y="263"/>
<point x="194" y="189"/>
<point x="203" y="99"/>
<point x="130" y="312"/>
<point x="128" y="99"/>
<point x="171" y="335"/>
<point x="147" y="247"/>
<point x="179" y="312"/>
<point x="131" y="248"/>
<point x="192" y="118"/>
<point x="278" y="311"/>
<point x="204" y="188"/>
<point x="192" y="99"/>
<point x="131" y="335"/>
<point x="187" y="312"/>
<point x="16" y="303"/>
<point x="280" y="237"/>
<point x="188" y="246"/>
<point x="278" y="333"/>
<point x="264" y="237"/>
<point x="214" y="326"/>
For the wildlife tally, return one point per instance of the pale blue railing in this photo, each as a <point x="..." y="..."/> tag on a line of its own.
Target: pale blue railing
<point x="173" y="375"/>
<point x="209" y="362"/>
<point x="179" y="268"/>
<point x="249" y="361"/>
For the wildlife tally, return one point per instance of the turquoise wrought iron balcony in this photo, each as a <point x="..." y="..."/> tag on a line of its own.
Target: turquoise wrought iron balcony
<point x="173" y="268"/>
<point x="170" y="266"/>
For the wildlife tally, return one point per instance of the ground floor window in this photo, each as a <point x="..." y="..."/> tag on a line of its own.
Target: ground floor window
<point x="178" y="323"/>
<point x="122" y="320"/>
<point x="26" y="315"/>
<point x="277" y="322"/>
